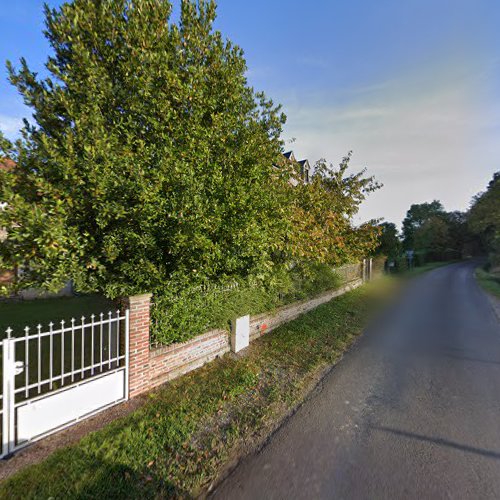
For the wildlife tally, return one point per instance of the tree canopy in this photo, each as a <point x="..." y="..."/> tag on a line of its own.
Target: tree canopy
<point x="322" y="212"/>
<point x="151" y="160"/>
<point x="150" y="157"/>
<point x="436" y="234"/>
<point x="484" y="218"/>
<point x="433" y="235"/>
<point x="416" y="216"/>
<point x="389" y="242"/>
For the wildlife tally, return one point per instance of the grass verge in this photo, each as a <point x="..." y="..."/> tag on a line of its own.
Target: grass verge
<point x="490" y="282"/>
<point x="427" y="267"/>
<point x="178" y="443"/>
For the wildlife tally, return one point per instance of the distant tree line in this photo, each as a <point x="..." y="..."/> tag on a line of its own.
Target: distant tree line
<point x="437" y="235"/>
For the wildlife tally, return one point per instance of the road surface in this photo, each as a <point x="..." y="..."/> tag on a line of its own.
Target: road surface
<point x="413" y="411"/>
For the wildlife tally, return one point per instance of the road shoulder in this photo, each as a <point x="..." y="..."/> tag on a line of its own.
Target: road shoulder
<point x="495" y="304"/>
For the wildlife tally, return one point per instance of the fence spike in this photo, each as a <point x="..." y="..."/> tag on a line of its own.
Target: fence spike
<point x="26" y="362"/>
<point x="8" y="332"/>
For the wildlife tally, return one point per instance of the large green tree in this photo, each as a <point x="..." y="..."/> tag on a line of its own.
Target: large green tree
<point x="484" y="218"/>
<point x="150" y="158"/>
<point x="322" y="214"/>
<point x="389" y="243"/>
<point x="462" y="240"/>
<point x="436" y="234"/>
<point x="151" y="165"/>
<point x="433" y="237"/>
<point x="416" y="216"/>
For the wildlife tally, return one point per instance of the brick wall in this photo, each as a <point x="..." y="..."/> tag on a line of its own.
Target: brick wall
<point x="152" y="367"/>
<point x="264" y="323"/>
<point x="139" y="367"/>
<point x="176" y="359"/>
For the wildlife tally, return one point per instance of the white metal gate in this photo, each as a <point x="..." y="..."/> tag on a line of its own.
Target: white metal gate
<point x="52" y="379"/>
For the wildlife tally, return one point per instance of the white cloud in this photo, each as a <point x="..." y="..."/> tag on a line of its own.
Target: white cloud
<point x="10" y="125"/>
<point x="425" y="136"/>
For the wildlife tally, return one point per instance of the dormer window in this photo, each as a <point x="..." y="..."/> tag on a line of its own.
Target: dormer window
<point x="305" y="168"/>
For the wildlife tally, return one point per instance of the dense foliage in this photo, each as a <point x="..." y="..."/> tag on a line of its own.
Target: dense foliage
<point x="389" y="242"/>
<point x="152" y="165"/>
<point x="416" y="217"/>
<point x="484" y="219"/>
<point x="322" y="213"/>
<point x="432" y="233"/>
<point x="151" y="157"/>
<point x="178" y="314"/>
<point x="436" y="235"/>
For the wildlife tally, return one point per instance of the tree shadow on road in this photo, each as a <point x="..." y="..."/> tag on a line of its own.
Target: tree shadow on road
<point x="440" y="442"/>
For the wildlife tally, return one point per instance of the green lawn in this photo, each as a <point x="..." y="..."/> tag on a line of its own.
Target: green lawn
<point x="18" y="315"/>
<point x="179" y="441"/>
<point x="490" y="282"/>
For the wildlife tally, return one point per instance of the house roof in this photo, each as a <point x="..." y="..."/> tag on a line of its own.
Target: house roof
<point x="290" y="156"/>
<point x="305" y="166"/>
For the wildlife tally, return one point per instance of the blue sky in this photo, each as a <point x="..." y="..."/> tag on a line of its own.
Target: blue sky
<point x="412" y="87"/>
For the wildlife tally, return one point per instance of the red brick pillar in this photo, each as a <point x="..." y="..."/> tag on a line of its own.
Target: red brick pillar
<point x="138" y="343"/>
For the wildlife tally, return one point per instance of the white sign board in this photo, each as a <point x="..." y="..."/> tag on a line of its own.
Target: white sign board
<point x="240" y="333"/>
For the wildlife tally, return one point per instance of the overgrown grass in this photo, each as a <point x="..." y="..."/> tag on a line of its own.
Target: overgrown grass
<point x="490" y="282"/>
<point x="18" y="315"/>
<point x="178" y="442"/>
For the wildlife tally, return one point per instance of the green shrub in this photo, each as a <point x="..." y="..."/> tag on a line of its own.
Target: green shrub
<point x="308" y="281"/>
<point x="181" y="312"/>
<point x="401" y="264"/>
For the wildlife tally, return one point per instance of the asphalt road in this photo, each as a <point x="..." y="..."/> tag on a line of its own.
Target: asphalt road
<point x="413" y="411"/>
